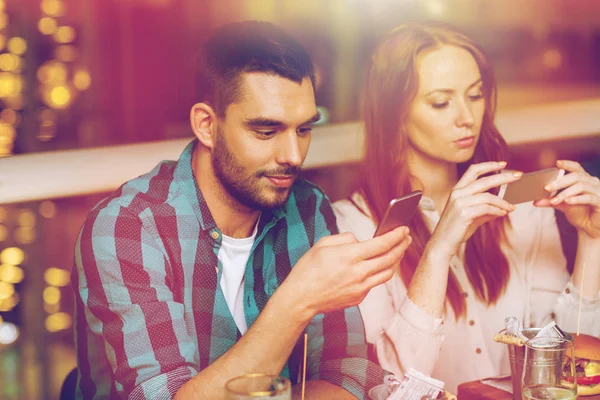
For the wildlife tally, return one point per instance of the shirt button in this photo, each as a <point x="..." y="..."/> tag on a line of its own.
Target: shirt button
<point x="471" y="322"/>
<point x="214" y="235"/>
<point x="478" y="350"/>
<point x="465" y="294"/>
<point x="217" y="270"/>
<point x="567" y="290"/>
<point x="552" y="315"/>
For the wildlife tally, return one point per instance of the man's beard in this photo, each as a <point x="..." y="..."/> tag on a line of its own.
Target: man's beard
<point x="246" y="188"/>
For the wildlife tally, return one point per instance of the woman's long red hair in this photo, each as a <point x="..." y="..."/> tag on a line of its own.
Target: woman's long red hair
<point x="391" y="86"/>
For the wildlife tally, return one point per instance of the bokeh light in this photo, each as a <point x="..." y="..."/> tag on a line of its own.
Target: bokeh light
<point x="10" y="84"/>
<point x="11" y="274"/>
<point x="7" y="132"/>
<point x="9" y="303"/>
<point x="3" y="20"/>
<point x="57" y="322"/>
<point x="47" y="25"/>
<point x="26" y="218"/>
<point x="57" y="277"/>
<point x="54" y="8"/>
<point x="47" y="209"/>
<point x="9" y="62"/>
<point x="64" y="34"/>
<point x="51" y="295"/>
<point x="25" y="235"/>
<point x="9" y="116"/>
<point x="3" y="233"/>
<point x="82" y="79"/>
<point x="17" y="45"/>
<point x="12" y="256"/>
<point x="52" y="73"/>
<point x="9" y="333"/>
<point x="6" y="290"/>
<point x="66" y="53"/>
<point x="59" y="97"/>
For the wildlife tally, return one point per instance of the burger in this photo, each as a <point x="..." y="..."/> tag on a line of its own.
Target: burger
<point x="587" y="364"/>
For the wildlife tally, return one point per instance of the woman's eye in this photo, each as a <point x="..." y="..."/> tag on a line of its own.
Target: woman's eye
<point x="476" y="96"/>
<point x="440" y="105"/>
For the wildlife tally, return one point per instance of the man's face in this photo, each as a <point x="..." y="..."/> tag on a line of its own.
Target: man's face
<point x="263" y="139"/>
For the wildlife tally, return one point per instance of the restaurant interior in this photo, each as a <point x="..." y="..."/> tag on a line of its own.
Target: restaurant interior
<point x="96" y="92"/>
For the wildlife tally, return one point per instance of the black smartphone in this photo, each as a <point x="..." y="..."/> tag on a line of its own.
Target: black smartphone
<point x="531" y="186"/>
<point x="399" y="212"/>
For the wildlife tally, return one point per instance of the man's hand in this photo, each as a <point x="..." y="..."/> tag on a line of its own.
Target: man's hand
<point x="339" y="271"/>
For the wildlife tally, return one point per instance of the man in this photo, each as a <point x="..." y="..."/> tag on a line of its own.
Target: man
<point x="184" y="275"/>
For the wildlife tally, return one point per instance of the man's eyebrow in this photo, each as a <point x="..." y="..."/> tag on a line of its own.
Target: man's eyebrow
<point x="452" y="90"/>
<point x="313" y="119"/>
<point x="261" y="122"/>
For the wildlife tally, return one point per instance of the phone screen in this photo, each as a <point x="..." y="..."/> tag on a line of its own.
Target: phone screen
<point x="399" y="212"/>
<point x="531" y="186"/>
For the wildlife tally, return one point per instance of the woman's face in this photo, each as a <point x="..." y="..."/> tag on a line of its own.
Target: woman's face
<point x="445" y="118"/>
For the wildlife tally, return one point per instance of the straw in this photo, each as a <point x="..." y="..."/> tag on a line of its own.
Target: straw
<point x="304" y="366"/>
<point x="580" y="298"/>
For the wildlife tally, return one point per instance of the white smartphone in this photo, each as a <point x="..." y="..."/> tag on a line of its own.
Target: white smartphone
<point x="399" y="212"/>
<point x="531" y="186"/>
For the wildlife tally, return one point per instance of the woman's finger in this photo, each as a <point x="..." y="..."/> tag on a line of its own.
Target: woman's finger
<point x="574" y="190"/>
<point x="584" y="199"/>
<point x="569" y="180"/>
<point x="489" y="182"/>
<point x="476" y="170"/>
<point x="494" y="200"/>
<point x="481" y="210"/>
<point x="569" y="166"/>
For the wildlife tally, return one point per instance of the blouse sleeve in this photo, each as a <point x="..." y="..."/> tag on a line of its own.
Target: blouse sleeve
<point x="404" y="336"/>
<point x="553" y="295"/>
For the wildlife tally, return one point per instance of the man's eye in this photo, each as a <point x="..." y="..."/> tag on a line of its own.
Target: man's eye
<point x="305" y="131"/>
<point x="266" y="133"/>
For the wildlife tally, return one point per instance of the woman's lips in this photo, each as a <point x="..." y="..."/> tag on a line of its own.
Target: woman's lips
<point x="465" y="142"/>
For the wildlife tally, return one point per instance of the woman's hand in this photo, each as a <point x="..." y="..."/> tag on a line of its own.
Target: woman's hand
<point x="580" y="199"/>
<point x="470" y="205"/>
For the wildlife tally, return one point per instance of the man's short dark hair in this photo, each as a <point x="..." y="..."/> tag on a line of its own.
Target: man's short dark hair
<point x="249" y="46"/>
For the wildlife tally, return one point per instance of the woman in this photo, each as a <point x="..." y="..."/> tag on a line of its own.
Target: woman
<point x="475" y="259"/>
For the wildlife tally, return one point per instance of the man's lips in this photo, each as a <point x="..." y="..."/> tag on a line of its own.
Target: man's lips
<point x="282" y="180"/>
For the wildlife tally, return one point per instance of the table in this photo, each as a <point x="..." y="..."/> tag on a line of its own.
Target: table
<point x="478" y="391"/>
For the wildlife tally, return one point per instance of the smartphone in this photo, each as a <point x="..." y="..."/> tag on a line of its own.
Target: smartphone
<point x="399" y="212"/>
<point x="531" y="186"/>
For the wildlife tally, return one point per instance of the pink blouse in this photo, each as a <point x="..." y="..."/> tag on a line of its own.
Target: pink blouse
<point x="539" y="290"/>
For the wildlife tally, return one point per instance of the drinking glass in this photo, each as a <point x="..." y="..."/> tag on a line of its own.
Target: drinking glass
<point x="549" y="370"/>
<point x="259" y="387"/>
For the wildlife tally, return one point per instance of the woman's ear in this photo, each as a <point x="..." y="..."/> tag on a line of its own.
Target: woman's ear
<point x="204" y="123"/>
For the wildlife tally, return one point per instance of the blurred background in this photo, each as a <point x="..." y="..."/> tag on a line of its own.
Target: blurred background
<point x="83" y="74"/>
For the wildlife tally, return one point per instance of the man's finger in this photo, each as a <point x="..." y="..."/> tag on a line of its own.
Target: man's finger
<point x="379" y="245"/>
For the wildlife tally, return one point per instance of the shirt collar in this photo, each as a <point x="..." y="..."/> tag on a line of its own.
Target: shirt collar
<point x="188" y="186"/>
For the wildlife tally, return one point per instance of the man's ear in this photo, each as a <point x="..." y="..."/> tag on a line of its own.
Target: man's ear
<point x="204" y="123"/>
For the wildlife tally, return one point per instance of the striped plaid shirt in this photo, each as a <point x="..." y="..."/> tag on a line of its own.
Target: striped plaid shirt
<point x="150" y="313"/>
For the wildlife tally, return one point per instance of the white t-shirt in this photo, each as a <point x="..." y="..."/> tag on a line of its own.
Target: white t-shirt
<point x="234" y="254"/>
